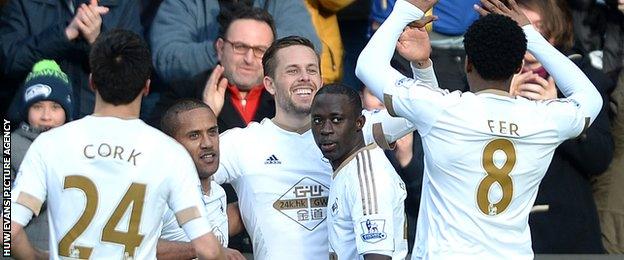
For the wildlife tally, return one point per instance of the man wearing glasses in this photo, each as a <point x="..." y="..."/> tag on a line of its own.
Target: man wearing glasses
<point x="244" y="37"/>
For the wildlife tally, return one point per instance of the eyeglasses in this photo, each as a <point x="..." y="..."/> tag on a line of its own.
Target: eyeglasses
<point x="241" y="48"/>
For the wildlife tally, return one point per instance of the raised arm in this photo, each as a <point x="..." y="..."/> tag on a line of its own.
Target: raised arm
<point x="572" y="82"/>
<point x="373" y="66"/>
<point x="569" y="78"/>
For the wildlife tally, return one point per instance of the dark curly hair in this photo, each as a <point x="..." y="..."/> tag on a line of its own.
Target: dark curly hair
<point x="495" y="45"/>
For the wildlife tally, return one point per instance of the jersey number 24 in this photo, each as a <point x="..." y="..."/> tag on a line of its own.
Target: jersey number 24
<point x="130" y="239"/>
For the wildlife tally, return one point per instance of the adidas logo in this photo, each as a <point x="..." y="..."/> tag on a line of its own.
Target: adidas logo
<point x="272" y="160"/>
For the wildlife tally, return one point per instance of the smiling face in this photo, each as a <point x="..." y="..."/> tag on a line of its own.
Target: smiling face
<point x="297" y="78"/>
<point x="198" y="133"/>
<point x="244" y="70"/>
<point x="336" y="127"/>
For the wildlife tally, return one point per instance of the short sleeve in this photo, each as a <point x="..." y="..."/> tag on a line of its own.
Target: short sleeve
<point x="419" y="103"/>
<point x="30" y="189"/>
<point x="373" y="202"/>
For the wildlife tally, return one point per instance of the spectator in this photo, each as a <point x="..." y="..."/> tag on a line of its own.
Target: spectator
<point x="608" y="192"/>
<point x="353" y="23"/>
<point x="184" y="33"/>
<point x="324" y="19"/>
<point x="599" y="28"/>
<point x="245" y="34"/>
<point x="32" y="30"/>
<point x="47" y="104"/>
<point x="565" y="220"/>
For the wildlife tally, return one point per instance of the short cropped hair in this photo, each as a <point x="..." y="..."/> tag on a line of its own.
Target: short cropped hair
<point x="232" y="11"/>
<point x="269" y="61"/>
<point x="353" y="97"/>
<point x="170" y="122"/>
<point x="120" y="66"/>
<point x="495" y="44"/>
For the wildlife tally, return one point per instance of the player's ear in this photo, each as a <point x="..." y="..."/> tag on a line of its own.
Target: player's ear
<point x="268" y="85"/>
<point x="468" y="66"/>
<point x="146" y="88"/>
<point x="519" y="69"/>
<point x="91" y="85"/>
<point x="359" y="122"/>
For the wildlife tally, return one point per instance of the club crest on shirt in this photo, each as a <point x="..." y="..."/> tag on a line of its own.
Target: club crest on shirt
<point x="334" y="207"/>
<point x="373" y="230"/>
<point x="405" y="82"/>
<point x="305" y="203"/>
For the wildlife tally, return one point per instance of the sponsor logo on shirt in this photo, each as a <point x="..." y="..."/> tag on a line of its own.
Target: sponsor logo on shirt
<point x="305" y="203"/>
<point x="272" y="160"/>
<point x="373" y="230"/>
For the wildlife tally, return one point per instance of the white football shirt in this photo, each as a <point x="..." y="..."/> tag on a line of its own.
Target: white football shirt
<point x="366" y="211"/>
<point x="215" y="204"/>
<point x="282" y="181"/>
<point x="107" y="182"/>
<point x="485" y="153"/>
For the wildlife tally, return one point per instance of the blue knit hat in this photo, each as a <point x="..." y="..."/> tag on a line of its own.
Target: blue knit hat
<point x="47" y="81"/>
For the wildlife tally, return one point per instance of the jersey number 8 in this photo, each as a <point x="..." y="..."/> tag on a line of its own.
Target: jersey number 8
<point x="496" y="175"/>
<point x="130" y="239"/>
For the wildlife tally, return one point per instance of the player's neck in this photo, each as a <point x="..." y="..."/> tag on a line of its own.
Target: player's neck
<point x="205" y="185"/>
<point x="126" y="111"/>
<point x="299" y="123"/>
<point x="357" y="146"/>
<point x="480" y="84"/>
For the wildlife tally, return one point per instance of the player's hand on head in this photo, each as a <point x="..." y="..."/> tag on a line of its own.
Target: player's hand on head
<point x="423" y="5"/>
<point x="413" y="44"/>
<point x="214" y="90"/>
<point x="511" y="10"/>
<point x="233" y="254"/>
<point x="531" y="86"/>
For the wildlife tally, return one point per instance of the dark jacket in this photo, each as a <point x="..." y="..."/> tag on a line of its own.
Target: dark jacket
<point x="230" y="117"/>
<point x="37" y="228"/>
<point x="32" y="30"/>
<point x="570" y="225"/>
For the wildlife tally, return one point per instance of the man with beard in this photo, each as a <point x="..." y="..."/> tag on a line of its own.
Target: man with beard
<point x="280" y="176"/>
<point x="366" y="220"/>
<point x="194" y="125"/>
